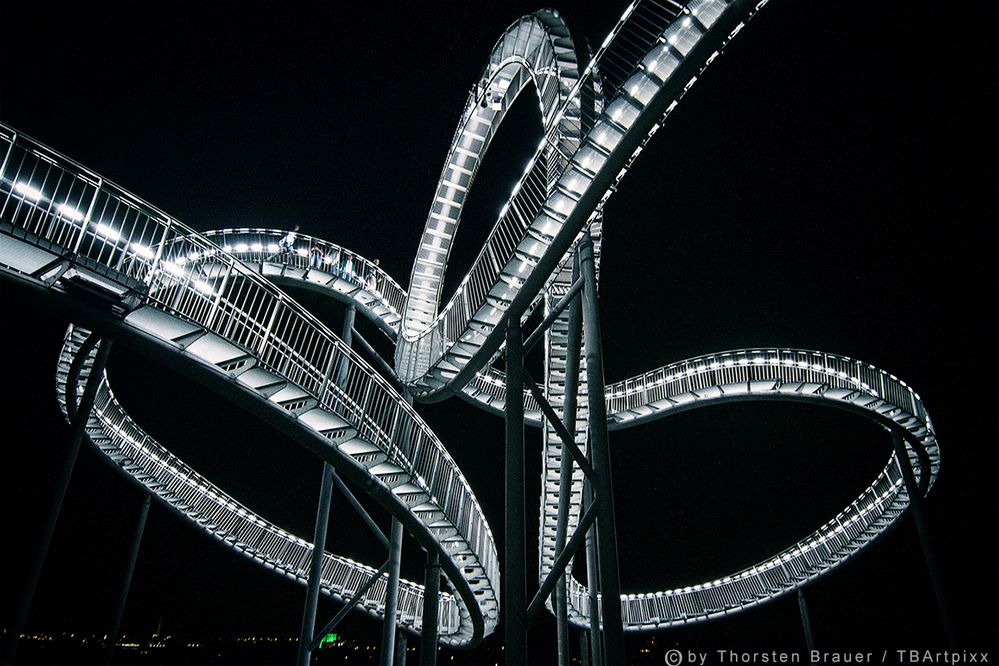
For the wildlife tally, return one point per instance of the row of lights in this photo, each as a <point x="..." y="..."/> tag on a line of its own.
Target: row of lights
<point x="107" y="232"/>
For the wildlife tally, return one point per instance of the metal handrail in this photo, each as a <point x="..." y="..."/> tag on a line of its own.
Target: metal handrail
<point x="53" y="202"/>
<point x="189" y="493"/>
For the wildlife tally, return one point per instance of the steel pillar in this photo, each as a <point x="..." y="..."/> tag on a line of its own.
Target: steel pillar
<point x="584" y="649"/>
<point x="919" y="517"/>
<point x="431" y="599"/>
<point x="315" y="567"/>
<point x="126" y="583"/>
<point x="610" y="587"/>
<point x="401" y="643"/>
<point x="592" y="580"/>
<point x="322" y="521"/>
<point x="391" y="595"/>
<point x="806" y="620"/>
<point x="573" y="345"/>
<point x="515" y="576"/>
<point x="77" y="430"/>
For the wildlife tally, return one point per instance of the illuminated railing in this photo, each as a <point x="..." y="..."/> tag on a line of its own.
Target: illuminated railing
<point x="56" y="205"/>
<point x="127" y="445"/>
<point x="776" y="374"/>
<point x="638" y="59"/>
<point x="307" y="253"/>
<point x="631" y="397"/>
<point x="52" y="203"/>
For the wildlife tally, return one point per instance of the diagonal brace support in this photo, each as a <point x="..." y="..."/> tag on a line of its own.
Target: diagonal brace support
<point x="567" y="439"/>
<point x="556" y="310"/>
<point x="352" y="500"/>
<point x="561" y="562"/>
<point x="354" y="600"/>
<point x="382" y="363"/>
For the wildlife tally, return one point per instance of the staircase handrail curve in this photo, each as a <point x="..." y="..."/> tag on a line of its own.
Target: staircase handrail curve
<point x="145" y="461"/>
<point x="782" y="374"/>
<point x="103" y="230"/>
<point x="437" y="356"/>
<point x="311" y="252"/>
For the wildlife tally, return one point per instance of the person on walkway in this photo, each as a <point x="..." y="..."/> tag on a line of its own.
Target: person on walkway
<point x="288" y="242"/>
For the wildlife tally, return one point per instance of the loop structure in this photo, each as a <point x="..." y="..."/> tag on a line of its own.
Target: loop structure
<point x="213" y="305"/>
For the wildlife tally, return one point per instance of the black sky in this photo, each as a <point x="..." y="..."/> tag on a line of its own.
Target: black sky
<point x="829" y="184"/>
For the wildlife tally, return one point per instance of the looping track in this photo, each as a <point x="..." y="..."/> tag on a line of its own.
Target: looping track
<point x="209" y="303"/>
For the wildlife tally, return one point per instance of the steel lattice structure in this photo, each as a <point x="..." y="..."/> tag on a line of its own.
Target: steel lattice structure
<point x="213" y="303"/>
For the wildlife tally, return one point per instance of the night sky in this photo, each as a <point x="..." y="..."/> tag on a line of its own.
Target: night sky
<point x="829" y="184"/>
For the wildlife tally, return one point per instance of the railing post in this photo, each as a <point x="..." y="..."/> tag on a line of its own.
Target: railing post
<point x="391" y="595"/>
<point x="610" y="587"/>
<point x="919" y="517"/>
<point x="77" y="431"/>
<point x="431" y="599"/>
<point x="126" y="584"/>
<point x="515" y="576"/>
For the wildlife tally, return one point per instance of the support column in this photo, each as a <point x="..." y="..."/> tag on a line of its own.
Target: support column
<point x="126" y="584"/>
<point x="431" y="599"/>
<point x="806" y="620"/>
<point x="391" y="595"/>
<point x="515" y="576"/>
<point x="610" y="587"/>
<point x="592" y="579"/>
<point x="315" y="568"/>
<point x="322" y="521"/>
<point x="401" y="643"/>
<point x="919" y="517"/>
<point x="573" y="345"/>
<point x="77" y="430"/>
<point x="584" y="649"/>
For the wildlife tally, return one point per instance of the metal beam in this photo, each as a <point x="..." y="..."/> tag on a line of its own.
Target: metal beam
<point x="806" y="620"/>
<point x="315" y="567"/>
<point x="354" y="600"/>
<point x="584" y="648"/>
<point x="126" y="583"/>
<point x="431" y="599"/>
<point x="382" y="363"/>
<point x="401" y="645"/>
<point x="592" y="580"/>
<point x="392" y="595"/>
<point x="558" y="569"/>
<point x="919" y="517"/>
<point x="569" y="404"/>
<point x="77" y="430"/>
<point x="515" y="576"/>
<point x="356" y="505"/>
<point x="307" y="637"/>
<point x="568" y="443"/>
<point x="562" y="304"/>
<point x="610" y="587"/>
